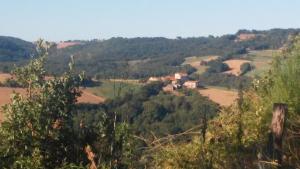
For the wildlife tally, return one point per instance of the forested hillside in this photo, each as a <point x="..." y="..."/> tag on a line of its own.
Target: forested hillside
<point x="143" y="57"/>
<point x="13" y="49"/>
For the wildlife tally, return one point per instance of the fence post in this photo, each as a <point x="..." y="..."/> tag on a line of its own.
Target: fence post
<point x="277" y="129"/>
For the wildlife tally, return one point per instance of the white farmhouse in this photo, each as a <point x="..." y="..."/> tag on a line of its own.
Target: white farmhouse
<point x="181" y="76"/>
<point x="191" y="84"/>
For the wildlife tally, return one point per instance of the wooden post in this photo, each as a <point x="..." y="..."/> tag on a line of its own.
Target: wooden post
<point x="277" y="128"/>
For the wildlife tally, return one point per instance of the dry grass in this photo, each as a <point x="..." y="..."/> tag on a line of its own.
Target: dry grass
<point x="88" y="97"/>
<point x="261" y="60"/>
<point x="4" y="76"/>
<point x="220" y="96"/>
<point x="6" y="92"/>
<point x="132" y="81"/>
<point x="235" y="65"/>
<point x="5" y="96"/>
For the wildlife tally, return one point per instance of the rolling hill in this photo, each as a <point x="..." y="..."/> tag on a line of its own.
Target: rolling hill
<point x="143" y="57"/>
<point x="13" y="49"/>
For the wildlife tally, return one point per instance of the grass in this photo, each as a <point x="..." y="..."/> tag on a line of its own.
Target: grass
<point x="195" y="62"/>
<point x="222" y="96"/>
<point x="110" y="89"/>
<point x="235" y="66"/>
<point x="222" y="88"/>
<point x="261" y="61"/>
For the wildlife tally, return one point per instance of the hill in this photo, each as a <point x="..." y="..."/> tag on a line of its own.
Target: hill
<point x="144" y="57"/>
<point x="12" y="49"/>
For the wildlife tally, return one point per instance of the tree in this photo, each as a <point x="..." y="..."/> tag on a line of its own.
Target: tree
<point x="245" y="67"/>
<point x="36" y="132"/>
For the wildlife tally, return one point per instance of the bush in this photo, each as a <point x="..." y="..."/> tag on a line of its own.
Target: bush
<point x="246" y="67"/>
<point x="224" y="80"/>
<point x="11" y="83"/>
<point x="217" y="67"/>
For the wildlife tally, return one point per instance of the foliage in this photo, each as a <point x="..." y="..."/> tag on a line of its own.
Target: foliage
<point x="144" y="57"/>
<point x="14" y="49"/>
<point x="40" y="119"/>
<point x="47" y="129"/>
<point x="245" y="67"/>
<point x="112" y="89"/>
<point x="239" y="136"/>
<point x="42" y="130"/>
<point x="10" y="83"/>
<point x="217" y="67"/>
<point x="281" y="85"/>
<point x="223" y="80"/>
<point x="150" y="111"/>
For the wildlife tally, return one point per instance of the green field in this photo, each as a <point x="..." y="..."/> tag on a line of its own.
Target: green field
<point x="261" y="60"/>
<point x="110" y="89"/>
<point x="195" y="62"/>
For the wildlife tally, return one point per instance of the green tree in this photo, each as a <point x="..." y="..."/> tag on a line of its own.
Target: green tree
<point x="36" y="132"/>
<point x="245" y="67"/>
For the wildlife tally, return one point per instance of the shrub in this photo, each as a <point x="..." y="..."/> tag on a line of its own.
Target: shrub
<point x="246" y="67"/>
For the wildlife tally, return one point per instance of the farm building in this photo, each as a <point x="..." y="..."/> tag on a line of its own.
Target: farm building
<point x="181" y="76"/>
<point x="191" y="84"/>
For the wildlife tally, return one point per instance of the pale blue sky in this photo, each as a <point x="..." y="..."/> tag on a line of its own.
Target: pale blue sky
<point x="88" y="19"/>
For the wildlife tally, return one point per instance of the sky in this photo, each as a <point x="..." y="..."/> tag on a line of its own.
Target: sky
<point x="57" y="20"/>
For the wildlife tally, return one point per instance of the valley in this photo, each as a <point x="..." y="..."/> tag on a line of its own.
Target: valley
<point x="150" y="95"/>
<point x="111" y="88"/>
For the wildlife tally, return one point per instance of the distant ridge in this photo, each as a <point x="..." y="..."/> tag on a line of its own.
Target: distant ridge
<point x="142" y="57"/>
<point x="12" y="49"/>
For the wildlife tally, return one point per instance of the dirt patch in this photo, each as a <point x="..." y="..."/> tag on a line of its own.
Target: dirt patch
<point x="235" y="66"/>
<point x="245" y="37"/>
<point x="88" y="97"/>
<point x="220" y="96"/>
<point x="6" y="92"/>
<point x="210" y="58"/>
<point x="62" y="45"/>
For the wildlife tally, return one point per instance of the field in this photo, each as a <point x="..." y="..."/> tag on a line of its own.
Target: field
<point x="87" y="97"/>
<point x="113" y="88"/>
<point x="194" y="61"/>
<point x="6" y="93"/>
<point x="261" y="60"/>
<point x="234" y="65"/>
<point x="4" y="76"/>
<point x="221" y="96"/>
